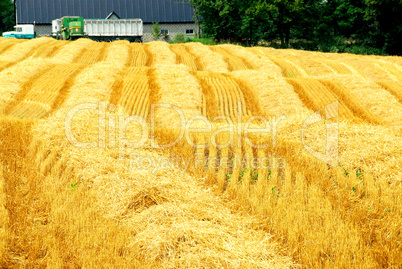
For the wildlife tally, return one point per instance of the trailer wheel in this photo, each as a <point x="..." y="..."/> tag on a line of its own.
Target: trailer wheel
<point x="108" y="40"/>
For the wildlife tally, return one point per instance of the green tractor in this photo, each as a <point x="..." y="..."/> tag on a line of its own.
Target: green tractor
<point x="71" y="28"/>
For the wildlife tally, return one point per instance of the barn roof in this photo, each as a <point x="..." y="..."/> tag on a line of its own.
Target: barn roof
<point x="44" y="11"/>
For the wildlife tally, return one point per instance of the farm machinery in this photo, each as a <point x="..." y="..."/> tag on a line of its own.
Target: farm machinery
<point x="71" y="28"/>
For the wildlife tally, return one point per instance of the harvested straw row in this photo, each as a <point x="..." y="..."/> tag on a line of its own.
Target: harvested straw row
<point x="372" y="97"/>
<point x="184" y="57"/>
<point x="161" y="53"/>
<point x="72" y="50"/>
<point x="367" y="68"/>
<point x="338" y="67"/>
<point x="223" y="96"/>
<point x="49" y="50"/>
<point x="316" y="97"/>
<point x="7" y="44"/>
<point x="254" y="58"/>
<point x="393" y="59"/>
<point x="4" y="65"/>
<point x="275" y="96"/>
<point x="392" y="68"/>
<point x="350" y="101"/>
<point x="251" y="102"/>
<point x="23" y="50"/>
<point x="45" y="93"/>
<point x="92" y="85"/>
<point x="313" y="67"/>
<point x="393" y="87"/>
<point x="3" y="220"/>
<point x="289" y="69"/>
<point x="15" y="198"/>
<point x="176" y="86"/>
<point x="16" y="76"/>
<point x="138" y="55"/>
<point x="316" y="184"/>
<point x="96" y="53"/>
<point x="118" y="53"/>
<point x="130" y="209"/>
<point x="234" y="62"/>
<point x="135" y="93"/>
<point x="208" y="59"/>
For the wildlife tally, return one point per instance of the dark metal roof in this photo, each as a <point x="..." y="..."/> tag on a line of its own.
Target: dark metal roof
<point x="44" y="11"/>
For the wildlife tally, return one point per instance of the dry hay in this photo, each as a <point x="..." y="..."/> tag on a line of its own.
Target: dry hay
<point x="23" y="50"/>
<point x="234" y="62"/>
<point x="346" y="216"/>
<point x="49" y="50"/>
<point x="92" y="55"/>
<point x="183" y="56"/>
<point x="118" y="53"/>
<point x="158" y="219"/>
<point x="161" y="53"/>
<point x="138" y="55"/>
<point x="175" y="87"/>
<point x="316" y="96"/>
<point x="15" y="76"/>
<point x="394" y="88"/>
<point x="7" y="43"/>
<point x="394" y="69"/>
<point x="69" y="52"/>
<point x="275" y="96"/>
<point x="372" y="97"/>
<point x="209" y="60"/>
<point x="289" y="69"/>
<point x="3" y="220"/>
<point x="224" y="97"/>
<point x="133" y="93"/>
<point x="45" y="93"/>
<point x="4" y="65"/>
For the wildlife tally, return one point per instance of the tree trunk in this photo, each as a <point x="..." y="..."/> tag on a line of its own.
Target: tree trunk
<point x="280" y="26"/>
<point x="287" y="33"/>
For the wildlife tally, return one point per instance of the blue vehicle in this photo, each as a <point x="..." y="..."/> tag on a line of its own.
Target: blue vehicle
<point x="22" y="32"/>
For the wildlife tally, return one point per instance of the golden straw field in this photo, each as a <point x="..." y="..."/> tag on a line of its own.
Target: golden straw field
<point x="287" y="159"/>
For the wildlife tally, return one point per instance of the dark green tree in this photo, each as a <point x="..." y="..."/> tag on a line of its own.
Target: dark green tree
<point x="360" y="26"/>
<point x="7" y="16"/>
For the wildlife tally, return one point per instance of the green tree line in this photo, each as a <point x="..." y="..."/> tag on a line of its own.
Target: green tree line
<point x="7" y="16"/>
<point x="359" y="26"/>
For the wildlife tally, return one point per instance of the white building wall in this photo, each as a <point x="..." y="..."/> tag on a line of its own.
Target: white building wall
<point x="174" y="29"/>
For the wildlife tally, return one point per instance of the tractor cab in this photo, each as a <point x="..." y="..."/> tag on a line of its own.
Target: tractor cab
<point x="72" y="27"/>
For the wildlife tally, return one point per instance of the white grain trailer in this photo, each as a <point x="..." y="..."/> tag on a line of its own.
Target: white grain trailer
<point x="109" y="30"/>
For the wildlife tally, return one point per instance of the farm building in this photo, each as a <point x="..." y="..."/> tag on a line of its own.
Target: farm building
<point x="173" y="16"/>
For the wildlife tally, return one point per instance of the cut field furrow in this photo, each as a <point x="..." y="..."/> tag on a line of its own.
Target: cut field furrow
<point x="91" y="56"/>
<point x="49" y="51"/>
<point x="337" y="67"/>
<point x="184" y="57"/>
<point x="289" y="69"/>
<point x="316" y="97"/>
<point x="234" y="62"/>
<point x="7" y="45"/>
<point x="392" y="68"/>
<point x="394" y="88"/>
<point x="133" y="92"/>
<point x="240" y="141"/>
<point x="5" y="65"/>
<point x="45" y="90"/>
<point x="223" y="96"/>
<point x="23" y="91"/>
<point x="138" y="56"/>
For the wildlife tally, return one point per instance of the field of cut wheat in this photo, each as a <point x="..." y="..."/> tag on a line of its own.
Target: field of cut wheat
<point x="119" y="155"/>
